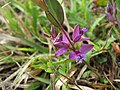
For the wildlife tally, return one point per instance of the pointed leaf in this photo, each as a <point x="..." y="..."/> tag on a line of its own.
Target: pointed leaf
<point x="33" y="86"/>
<point x="41" y="3"/>
<point x="38" y="47"/>
<point x="57" y="11"/>
<point x="100" y="2"/>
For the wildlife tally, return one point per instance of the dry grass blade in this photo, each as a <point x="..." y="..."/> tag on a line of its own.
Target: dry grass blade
<point x="12" y="76"/>
<point x="10" y="84"/>
<point x="21" y="75"/>
<point x="82" y="87"/>
<point x="81" y="72"/>
<point x="110" y="81"/>
<point x="21" y="23"/>
<point x="6" y="38"/>
<point x="101" y="86"/>
<point x="117" y="80"/>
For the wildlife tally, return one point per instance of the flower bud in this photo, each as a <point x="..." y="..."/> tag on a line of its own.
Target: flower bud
<point x="109" y="8"/>
<point x="114" y="8"/>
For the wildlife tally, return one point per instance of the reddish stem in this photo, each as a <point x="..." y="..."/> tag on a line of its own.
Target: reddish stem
<point x="62" y="29"/>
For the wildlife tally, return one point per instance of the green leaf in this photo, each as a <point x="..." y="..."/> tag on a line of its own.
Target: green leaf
<point x="110" y="40"/>
<point x="104" y="81"/>
<point x="64" y="87"/>
<point x="95" y="53"/>
<point x="27" y="49"/>
<point x="38" y="47"/>
<point x="97" y="22"/>
<point x="41" y="3"/>
<point x="101" y="2"/>
<point x="57" y="11"/>
<point x="102" y="60"/>
<point x="88" y="56"/>
<point x="118" y="4"/>
<point x="44" y="67"/>
<point x="49" y="70"/>
<point x="33" y="86"/>
<point x="44" y="80"/>
<point x="62" y="61"/>
<point x="86" y="74"/>
<point x="50" y="64"/>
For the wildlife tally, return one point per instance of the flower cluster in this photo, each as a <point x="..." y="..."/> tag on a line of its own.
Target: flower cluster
<point x="65" y="43"/>
<point x="112" y="12"/>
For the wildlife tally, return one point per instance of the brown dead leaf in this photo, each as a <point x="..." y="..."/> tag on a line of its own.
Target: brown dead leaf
<point x="116" y="48"/>
<point x="101" y="86"/>
<point x="82" y="87"/>
<point x="81" y="72"/>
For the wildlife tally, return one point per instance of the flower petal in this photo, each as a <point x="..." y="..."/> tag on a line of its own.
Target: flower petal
<point x="77" y="38"/>
<point x="77" y="56"/>
<point x="114" y="8"/>
<point x="65" y="39"/>
<point x="61" y="44"/>
<point x="86" y="48"/>
<point x="61" y="51"/>
<point x="109" y="8"/>
<point x="84" y="39"/>
<point x="109" y="17"/>
<point x="80" y="57"/>
<point x="84" y="30"/>
<point x="72" y="56"/>
<point x="75" y="32"/>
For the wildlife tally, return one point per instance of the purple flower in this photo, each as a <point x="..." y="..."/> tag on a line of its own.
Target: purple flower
<point x="79" y="55"/>
<point x="114" y="8"/>
<point x="109" y="8"/>
<point x="111" y="11"/>
<point x="77" y="34"/>
<point x="109" y="17"/>
<point x="63" y="44"/>
<point x="53" y="33"/>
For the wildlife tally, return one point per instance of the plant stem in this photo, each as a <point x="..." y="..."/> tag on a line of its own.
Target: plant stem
<point x="62" y="29"/>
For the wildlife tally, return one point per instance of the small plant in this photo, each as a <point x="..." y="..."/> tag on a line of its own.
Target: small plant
<point x="64" y="42"/>
<point x="59" y="44"/>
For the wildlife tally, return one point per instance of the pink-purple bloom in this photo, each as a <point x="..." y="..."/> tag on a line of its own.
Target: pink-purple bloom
<point x="77" y="34"/>
<point x="63" y="44"/>
<point x="53" y="33"/>
<point x="79" y="55"/>
<point x="111" y="11"/>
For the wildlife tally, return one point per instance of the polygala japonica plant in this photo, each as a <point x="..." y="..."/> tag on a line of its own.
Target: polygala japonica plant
<point x="64" y="43"/>
<point x="58" y="54"/>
